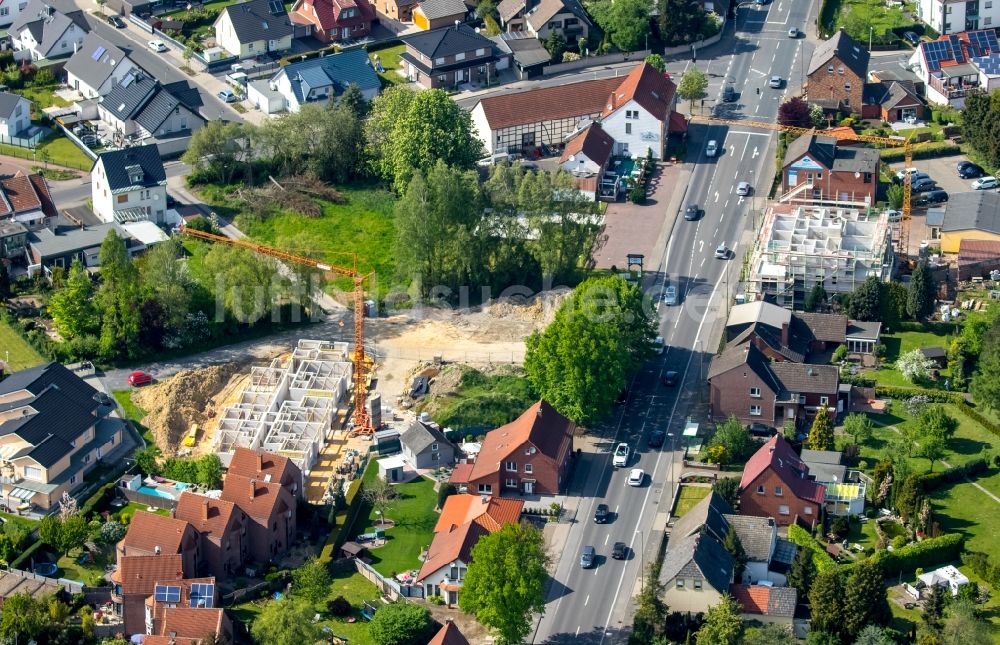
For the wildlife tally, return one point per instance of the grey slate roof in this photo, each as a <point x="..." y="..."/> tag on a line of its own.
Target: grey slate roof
<point x="975" y="210"/>
<point x="339" y="71"/>
<point x="698" y="557"/>
<point x="156" y="110"/>
<point x="759" y="311"/>
<point x="855" y="159"/>
<point x="853" y="55"/>
<point x="802" y="378"/>
<point x="829" y="328"/>
<point x="795" y="351"/>
<point x="48" y="243"/>
<point x="447" y="41"/>
<point x="125" y="99"/>
<point x="709" y="513"/>
<point x="147" y="157"/>
<point x="526" y="49"/>
<point x="419" y="437"/>
<point x="746" y="355"/>
<point x="48" y="21"/>
<point x="95" y="61"/>
<point x="825" y="151"/>
<point x="863" y="329"/>
<point x="436" y="9"/>
<point x="37" y="379"/>
<point x="253" y="20"/>
<point x="824" y="465"/>
<point x="8" y="102"/>
<point x="755" y="535"/>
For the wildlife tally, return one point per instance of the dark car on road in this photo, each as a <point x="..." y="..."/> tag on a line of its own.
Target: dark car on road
<point x="619" y="551"/>
<point x="588" y="557"/>
<point x="923" y="185"/>
<point x="669" y="378"/>
<point x="601" y="514"/>
<point x="116" y="22"/>
<point x="691" y="212"/>
<point x="970" y="171"/>
<point x="656" y="438"/>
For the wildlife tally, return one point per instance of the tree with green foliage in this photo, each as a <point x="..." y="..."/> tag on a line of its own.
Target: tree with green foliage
<point x="651" y="612"/>
<point x="656" y="62"/>
<point x="865" y="600"/>
<point x="826" y="602"/>
<point x="802" y="573"/>
<point x="600" y="335"/>
<point x="446" y="490"/>
<point x="894" y="195"/>
<point x="49" y="531"/>
<point x="312" y="581"/>
<point x="409" y="131"/>
<point x="246" y="284"/>
<point x="964" y="625"/>
<point x="769" y="634"/>
<point x="209" y="471"/>
<point x="922" y="292"/>
<point x="934" y="419"/>
<point x="72" y="307"/>
<point x="914" y="366"/>
<point x="23" y="618"/>
<point x="866" y="300"/>
<point x="821" y="432"/>
<point x="680" y="21"/>
<point x="145" y="460"/>
<point x="73" y="533"/>
<point x="401" y="623"/>
<point x="980" y="117"/>
<point x="4" y="281"/>
<point x="118" y="299"/>
<point x="723" y="624"/>
<point x="859" y="428"/>
<point x="112" y="532"/>
<point x="501" y="596"/>
<point x="908" y="499"/>
<point x="167" y="281"/>
<point x="734" y="440"/>
<point x="728" y="488"/>
<point x="816" y="298"/>
<point x="932" y="616"/>
<point x="692" y="86"/>
<point x="556" y="45"/>
<point x="625" y="21"/>
<point x="734" y="546"/>
<point x="288" y="621"/>
<point x="220" y="150"/>
<point x="354" y="101"/>
<point x="874" y="635"/>
<point x="892" y="303"/>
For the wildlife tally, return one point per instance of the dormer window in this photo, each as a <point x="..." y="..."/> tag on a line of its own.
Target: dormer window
<point x="135" y="174"/>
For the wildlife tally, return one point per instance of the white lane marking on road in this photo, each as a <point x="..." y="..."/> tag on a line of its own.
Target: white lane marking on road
<point x="716" y="197"/>
<point x="757" y="72"/>
<point x="732" y="149"/>
<point x="756" y="110"/>
<point x="595" y="573"/>
<point x="755" y="151"/>
<point x="606" y="539"/>
<point x="695" y="277"/>
<point x="739" y="202"/>
<point x="616" y="510"/>
<point x="656" y="466"/>
<point x="725" y="206"/>
<point x="703" y="259"/>
<point x="587" y="600"/>
<point x="731" y="189"/>
<point x="701" y="245"/>
<point x="716" y="231"/>
<point x="577" y="630"/>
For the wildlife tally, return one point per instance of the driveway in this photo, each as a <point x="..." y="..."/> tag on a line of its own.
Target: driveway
<point x="942" y="170"/>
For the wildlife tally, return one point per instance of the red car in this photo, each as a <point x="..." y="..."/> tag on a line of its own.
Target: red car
<point x="136" y="379"/>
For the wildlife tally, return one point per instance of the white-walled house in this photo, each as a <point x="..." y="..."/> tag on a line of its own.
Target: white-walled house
<point x="15" y="115"/>
<point x="954" y="16"/>
<point x="129" y="185"/>
<point x="42" y="31"/>
<point x="638" y="113"/>
<point x="588" y="152"/>
<point x="96" y="66"/>
<point x="315" y="80"/>
<point x="254" y="27"/>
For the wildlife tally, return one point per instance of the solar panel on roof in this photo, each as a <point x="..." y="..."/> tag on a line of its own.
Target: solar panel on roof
<point x="167" y="593"/>
<point x="276" y="7"/>
<point x="98" y="53"/>
<point x="202" y="595"/>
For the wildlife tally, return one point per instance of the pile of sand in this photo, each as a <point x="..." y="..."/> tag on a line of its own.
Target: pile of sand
<point x="179" y="402"/>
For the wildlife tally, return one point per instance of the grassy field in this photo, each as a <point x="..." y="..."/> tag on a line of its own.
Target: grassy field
<point x="389" y="57"/>
<point x="414" y="517"/>
<point x="481" y="402"/>
<point x="71" y="567"/>
<point x="17" y="519"/>
<point x="14" y="348"/>
<point x="43" y="97"/>
<point x="899" y="343"/>
<point x="134" y="413"/>
<point x="872" y="13"/>
<point x="63" y="152"/>
<point x="688" y="496"/>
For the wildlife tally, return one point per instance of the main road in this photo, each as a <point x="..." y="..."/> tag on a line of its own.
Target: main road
<point x="592" y="605"/>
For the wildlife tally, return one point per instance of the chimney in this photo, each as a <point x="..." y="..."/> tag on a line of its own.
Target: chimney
<point x="457" y="23"/>
<point x="204" y="510"/>
<point x="156" y="549"/>
<point x="260" y="462"/>
<point x="784" y="334"/>
<point x="253" y="488"/>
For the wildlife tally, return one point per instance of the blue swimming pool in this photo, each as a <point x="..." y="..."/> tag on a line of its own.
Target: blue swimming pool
<point x="149" y="490"/>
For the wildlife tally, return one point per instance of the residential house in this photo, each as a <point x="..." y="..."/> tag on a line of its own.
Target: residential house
<point x="315" y="80"/>
<point x="527" y="55"/>
<point x="948" y="577"/>
<point x="464" y="519"/>
<point x="267" y="467"/>
<point x="776" y="484"/>
<point x="60" y="246"/>
<point x="135" y="579"/>
<point x="844" y="490"/>
<point x="53" y="431"/>
<point x="449" y="634"/>
<point x="838" y="71"/>
<point x="638" y="113"/>
<point x="968" y="216"/>
<point x="956" y="63"/>
<point x="830" y="170"/>
<point x="401" y="10"/>
<point x="129" y="185"/>
<point x="587" y="156"/>
<point x="784" y="335"/>
<point x="15" y="116"/>
<point x="745" y="384"/>
<point x="425" y="446"/>
<point x="891" y="101"/>
<point x="530" y="455"/>
<point x="13" y="241"/>
<point x="139" y="111"/>
<point x="540" y="18"/>
<point x="46" y="30"/>
<point x="196" y="623"/>
<point x="269" y="509"/>
<point x="433" y="14"/>
<point x="695" y="573"/>
<point x="153" y="534"/>
<point x="254" y="27"/>
<point x="26" y="199"/>
<point x="863" y="336"/>
<point x="766" y="604"/>
<point x="449" y="56"/>
<point x="96" y="67"/>
<point x="335" y="21"/>
<point x="222" y="527"/>
<point x="953" y="16"/>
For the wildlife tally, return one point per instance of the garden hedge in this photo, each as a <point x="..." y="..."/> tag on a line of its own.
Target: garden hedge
<point x="926" y="151"/>
<point x="25" y="557"/>
<point x="820" y="557"/>
<point x="924" y="554"/>
<point x="979" y="418"/>
<point x="933" y="481"/>
<point x="934" y="396"/>
<point x="343" y="520"/>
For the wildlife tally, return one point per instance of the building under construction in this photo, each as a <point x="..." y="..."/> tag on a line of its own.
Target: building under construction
<point x="292" y="406"/>
<point x="800" y="245"/>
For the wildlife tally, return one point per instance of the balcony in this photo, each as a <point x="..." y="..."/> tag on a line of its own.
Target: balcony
<point x="955" y="87"/>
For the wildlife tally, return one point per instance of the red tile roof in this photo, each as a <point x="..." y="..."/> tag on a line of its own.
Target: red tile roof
<point x="451" y="545"/>
<point x="550" y="432"/>
<point x="191" y="622"/>
<point x="23" y="192"/>
<point x="678" y="123"/>
<point x="448" y="635"/>
<point x="166" y="640"/>
<point x="259" y="499"/>
<point x="549" y="103"/>
<point x="149" y="530"/>
<point x="139" y="573"/>
<point x="208" y="516"/>
<point x="765" y="601"/>
<point x="492" y="513"/>
<point x="778" y="456"/>
<point x="262" y="465"/>
<point x="326" y="13"/>
<point x="592" y="141"/>
<point x="648" y="87"/>
<point x="461" y="474"/>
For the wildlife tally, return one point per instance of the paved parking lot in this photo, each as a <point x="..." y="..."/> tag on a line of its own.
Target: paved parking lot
<point x="942" y="170"/>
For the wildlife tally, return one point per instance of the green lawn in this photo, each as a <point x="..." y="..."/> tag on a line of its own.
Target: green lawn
<point x="874" y="13"/>
<point x="362" y="226"/>
<point x="413" y="513"/>
<point x="43" y="97"/>
<point x="17" y="519"/>
<point x="899" y="343"/>
<point x="71" y="568"/>
<point x="687" y="497"/>
<point x="481" y="402"/>
<point x="63" y="152"/>
<point x="962" y="508"/>
<point x="389" y="57"/>
<point x="15" y="349"/>
<point x="134" y="413"/>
